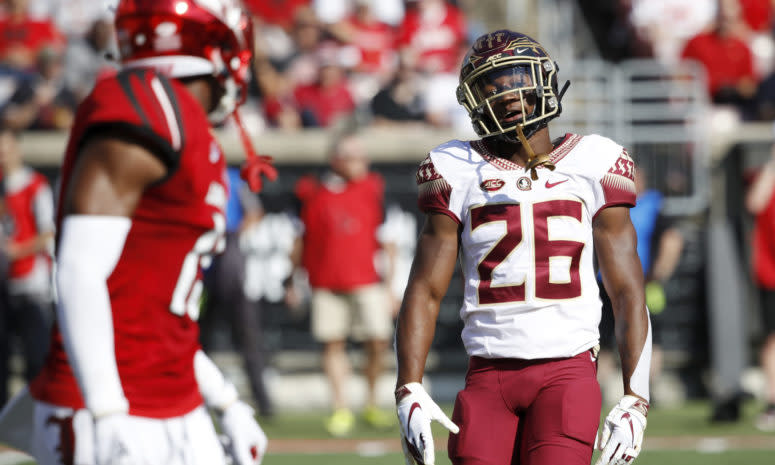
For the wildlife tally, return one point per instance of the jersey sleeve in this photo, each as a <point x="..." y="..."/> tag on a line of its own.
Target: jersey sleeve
<point x="433" y="190"/>
<point x="139" y="105"/>
<point x="43" y="208"/>
<point x="618" y="184"/>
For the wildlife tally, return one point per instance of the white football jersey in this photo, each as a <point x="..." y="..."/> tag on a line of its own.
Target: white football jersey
<point x="526" y="246"/>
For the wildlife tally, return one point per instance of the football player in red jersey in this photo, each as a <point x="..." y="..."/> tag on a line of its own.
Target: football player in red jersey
<point x="527" y="215"/>
<point x="140" y="210"/>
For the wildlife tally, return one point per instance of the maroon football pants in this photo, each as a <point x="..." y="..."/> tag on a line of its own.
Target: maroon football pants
<point x="527" y="412"/>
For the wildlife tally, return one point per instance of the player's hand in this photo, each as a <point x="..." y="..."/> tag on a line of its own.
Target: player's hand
<point x="622" y="434"/>
<point x="255" y="167"/>
<point x="115" y="443"/>
<point x="416" y="410"/>
<point x="247" y="441"/>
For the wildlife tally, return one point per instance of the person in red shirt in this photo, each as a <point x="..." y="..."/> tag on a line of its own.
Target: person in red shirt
<point x="374" y="40"/>
<point x="23" y="38"/>
<point x="760" y="202"/>
<point x="432" y="33"/>
<point x="758" y="14"/>
<point x="341" y="212"/>
<point x="279" y="12"/>
<point x="328" y="99"/>
<point x="728" y="62"/>
<point x="27" y="232"/>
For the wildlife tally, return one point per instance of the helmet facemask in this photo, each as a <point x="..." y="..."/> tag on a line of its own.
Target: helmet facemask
<point x="526" y="85"/>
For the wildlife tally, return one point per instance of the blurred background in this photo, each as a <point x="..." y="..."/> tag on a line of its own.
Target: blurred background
<point x="687" y="86"/>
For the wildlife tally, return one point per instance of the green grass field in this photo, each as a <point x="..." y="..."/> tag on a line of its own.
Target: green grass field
<point x="677" y="436"/>
<point x="674" y="436"/>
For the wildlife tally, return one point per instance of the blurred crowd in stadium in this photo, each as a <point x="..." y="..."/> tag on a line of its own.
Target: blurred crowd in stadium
<point x="379" y="62"/>
<point x="386" y="62"/>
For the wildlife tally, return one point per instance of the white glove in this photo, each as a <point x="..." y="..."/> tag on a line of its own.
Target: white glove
<point x="247" y="441"/>
<point x="416" y="410"/>
<point x="622" y="434"/>
<point x="115" y="443"/>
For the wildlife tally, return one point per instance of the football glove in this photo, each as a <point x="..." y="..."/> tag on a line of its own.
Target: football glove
<point x="247" y="442"/>
<point x="256" y="166"/>
<point x="622" y="434"/>
<point x="114" y="442"/>
<point x="416" y="410"/>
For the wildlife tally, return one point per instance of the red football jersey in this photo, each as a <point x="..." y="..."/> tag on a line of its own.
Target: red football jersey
<point x="340" y="237"/>
<point x="155" y="287"/>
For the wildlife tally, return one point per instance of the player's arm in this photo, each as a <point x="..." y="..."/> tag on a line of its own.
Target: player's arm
<point x="761" y="191"/>
<point x="432" y="268"/>
<point x="107" y="181"/>
<point x="615" y="244"/>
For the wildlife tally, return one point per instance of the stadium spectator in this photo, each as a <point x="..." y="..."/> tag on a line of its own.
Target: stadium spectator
<point x="668" y="24"/>
<point x="333" y="11"/>
<point x="341" y="213"/>
<point x="75" y="18"/>
<point x="432" y="33"/>
<point x="760" y="202"/>
<point x="278" y="104"/>
<point x="328" y="99"/>
<point x="22" y="38"/>
<point x="42" y="100"/>
<point x="728" y="62"/>
<point x="758" y="14"/>
<point x="28" y="229"/>
<point x="531" y="306"/>
<point x="400" y="101"/>
<point x="371" y="43"/>
<point x="89" y="57"/>
<point x="280" y="12"/>
<point x="141" y="208"/>
<point x="308" y="37"/>
<point x="225" y="298"/>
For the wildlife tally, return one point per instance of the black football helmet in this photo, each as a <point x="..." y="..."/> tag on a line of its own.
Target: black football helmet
<point x="506" y="64"/>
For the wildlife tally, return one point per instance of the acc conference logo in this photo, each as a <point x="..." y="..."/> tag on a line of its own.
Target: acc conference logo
<point x="492" y="185"/>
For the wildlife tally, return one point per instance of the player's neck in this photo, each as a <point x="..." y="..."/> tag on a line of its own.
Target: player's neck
<point x="202" y="92"/>
<point x="540" y="143"/>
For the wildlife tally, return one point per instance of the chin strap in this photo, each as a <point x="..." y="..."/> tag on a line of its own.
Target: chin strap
<point x="256" y="165"/>
<point x="533" y="160"/>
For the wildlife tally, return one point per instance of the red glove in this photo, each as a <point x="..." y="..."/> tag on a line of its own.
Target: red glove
<point x="256" y="166"/>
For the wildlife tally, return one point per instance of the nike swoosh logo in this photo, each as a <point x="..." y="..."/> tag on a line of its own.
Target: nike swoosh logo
<point x="414" y="406"/>
<point x="521" y="50"/>
<point x="549" y="185"/>
<point x="626" y="416"/>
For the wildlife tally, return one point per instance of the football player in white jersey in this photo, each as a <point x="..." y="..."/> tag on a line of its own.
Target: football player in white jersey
<point x="527" y="215"/>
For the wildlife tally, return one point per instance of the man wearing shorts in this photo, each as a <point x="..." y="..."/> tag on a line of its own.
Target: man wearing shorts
<point x="341" y="212"/>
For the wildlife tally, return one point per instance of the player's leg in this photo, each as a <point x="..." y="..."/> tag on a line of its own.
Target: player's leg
<point x="330" y="319"/>
<point x="34" y="324"/>
<point x="62" y="436"/>
<point x="374" y="325"/>
<point x="766" y="420"/>
<point x="193" y="439"/>
<point x="561" y="423"/>
<point x="488" y="426"/>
